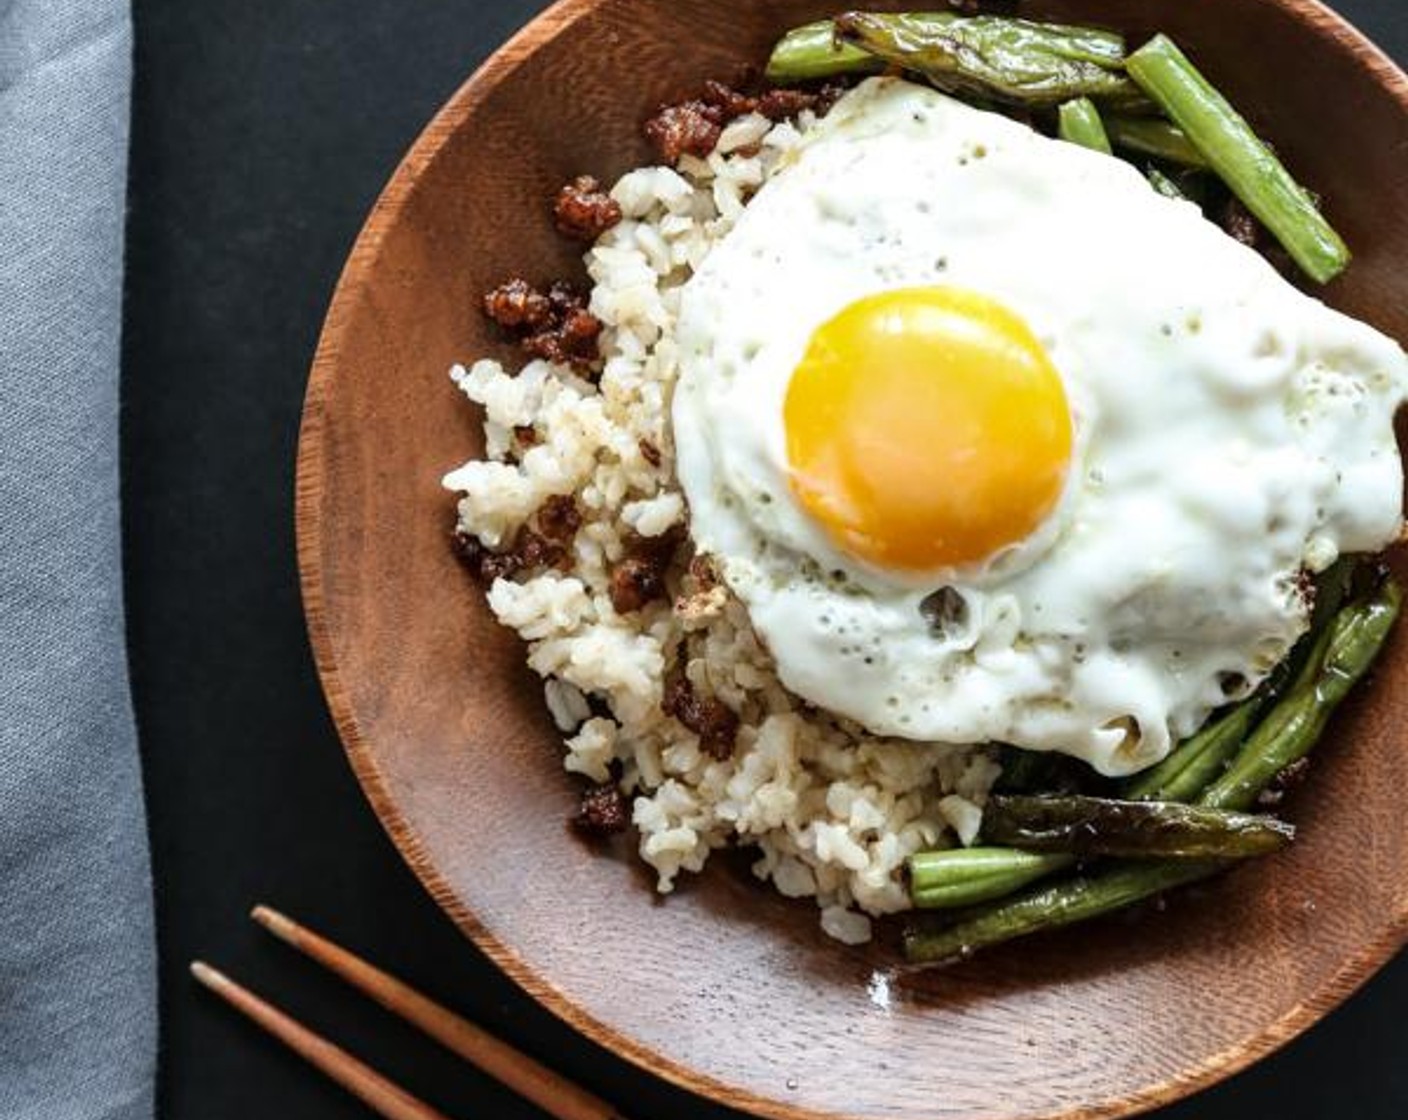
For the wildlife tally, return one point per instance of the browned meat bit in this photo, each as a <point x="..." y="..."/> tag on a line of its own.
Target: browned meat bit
<point x="1287" y="780"/>
<point x="484" y="564"/>
<point x="693" y="127"/>
<point x="603" y="811"/>
<point x="565" y="296"/>
<point x="1240" y="224"/>
<point x="573" y="333"/>
<point x="559" y="518"/>
<point x="469" y="550"/>
<point x="489" y="565"/>
<point x="528" y="550"/>
<point x="535" y="551"/>
<point x="689" y="128"/>
<point x="779" y="104"/>
<point x="775" y="104"/>
<point x="517" y="305"/>
<point x="554" y="325"/>
<point x="650" y="453"/>
<point x="573" y="341"/>
<point x="545" y="546"/>
<point x="639" y="577"/>
<point x="729" y="102"/>
<point x="710" y="718"/>
<point x="635" y="581"/>
<point x="583" y="210"/>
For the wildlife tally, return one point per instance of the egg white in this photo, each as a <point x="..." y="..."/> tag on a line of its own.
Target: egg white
<point x="1230" y="431"/>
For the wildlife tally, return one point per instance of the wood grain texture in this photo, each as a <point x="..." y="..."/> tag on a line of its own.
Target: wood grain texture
<point x="553" y="1094"/>
<point x="382" y="1095"/>
<point x="725" y="988"/>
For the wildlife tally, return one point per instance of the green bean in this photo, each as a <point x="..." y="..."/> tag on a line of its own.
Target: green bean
<point x="1079" y="123"/>
<point x="1100" y="826"/>
<point x="1196" y="761"/>
<point x="1052" y="906"/>
<point x="967" y="876"/>
<point x="1004" y="35"/>
<point x="1234" y="151"/>
<point x="811" y="51"/>
<point x="1332" y="588"/>
<point x="1292" y="728"/>
<point x="994" y="58"/>
<point x="1149" y="136"/>
<point x="1164" y="185"/>
<point x="1341" y="656"/>
<point x="1192" y="766"/>
<point x="1181" y="777"/>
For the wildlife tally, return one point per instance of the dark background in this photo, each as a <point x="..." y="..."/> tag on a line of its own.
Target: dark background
<point x="263" y="131"/>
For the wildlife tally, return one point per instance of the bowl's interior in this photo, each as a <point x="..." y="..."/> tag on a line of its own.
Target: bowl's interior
<point x="726" y="987"/>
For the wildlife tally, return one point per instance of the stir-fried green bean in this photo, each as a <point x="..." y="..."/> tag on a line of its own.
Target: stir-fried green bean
<point x="1150" y="136"/>
<point x="994" y="58"/>
<point x="1038" y="65"/>
<point x="1079" y="123"/>
<point x="1238" y="155"/>
<point x="1180" y="777"/>
<point x="1101" y="826"/>
<point x="1188" y="769"/>
<point x="1292" y="728"/>
<point x="968" y="876"/>
<point x="810" y="52"/>
<point x="1185" y="774"/>
<point x="1100" y="95"/>
<point x="1052" y="906"/>
<point x="1164" y="185"/>
<point x="1342" y="656"/>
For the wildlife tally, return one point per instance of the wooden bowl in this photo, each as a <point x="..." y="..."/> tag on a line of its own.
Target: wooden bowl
<point x="726" y="988"/>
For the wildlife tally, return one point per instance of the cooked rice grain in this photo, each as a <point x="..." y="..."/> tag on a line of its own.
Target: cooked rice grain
<point x="832" y="811"/>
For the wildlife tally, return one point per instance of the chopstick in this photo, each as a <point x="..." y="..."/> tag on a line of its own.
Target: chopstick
<point x="356" y="1077"/>
<point x="550" y="1091"/>
<point x="533" y="1081"/>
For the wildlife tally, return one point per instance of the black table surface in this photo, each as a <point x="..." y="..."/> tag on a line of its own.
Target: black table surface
<point x="263" y="131"/>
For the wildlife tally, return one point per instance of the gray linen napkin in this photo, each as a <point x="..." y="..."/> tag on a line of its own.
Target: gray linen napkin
<point x="77" y="973"/>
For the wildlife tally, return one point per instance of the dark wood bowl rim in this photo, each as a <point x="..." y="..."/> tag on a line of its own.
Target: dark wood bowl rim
<point x="310" y="471"/>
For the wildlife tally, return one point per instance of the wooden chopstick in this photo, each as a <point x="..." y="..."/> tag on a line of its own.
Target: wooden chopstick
<point x="550" y="1091"/>
<point x="384" y="1096"/>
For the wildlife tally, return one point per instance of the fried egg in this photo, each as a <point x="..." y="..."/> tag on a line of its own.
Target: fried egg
<point x="995" y="443"/>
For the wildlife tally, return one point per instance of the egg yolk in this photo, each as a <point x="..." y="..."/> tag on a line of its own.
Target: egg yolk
<point x="926" y="428"/>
